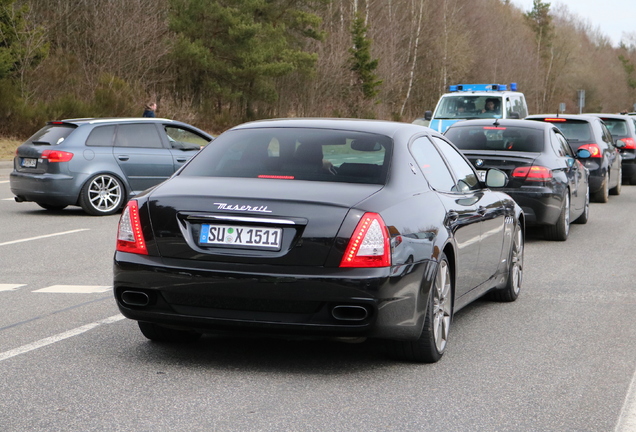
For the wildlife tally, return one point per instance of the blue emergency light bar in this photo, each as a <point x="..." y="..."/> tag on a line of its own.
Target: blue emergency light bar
<point x="481" y="87"/>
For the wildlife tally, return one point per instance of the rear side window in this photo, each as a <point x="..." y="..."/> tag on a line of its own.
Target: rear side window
<point x="51" y="134"/>
<point x="496" y="138"/>
<point x="138" y="135"/>
<point x="296" y="154"/>
<point x="101" y="136"/>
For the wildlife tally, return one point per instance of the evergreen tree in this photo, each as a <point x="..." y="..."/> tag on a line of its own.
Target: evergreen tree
<point x="361" y="63"/>
<point x="232" y="50"/>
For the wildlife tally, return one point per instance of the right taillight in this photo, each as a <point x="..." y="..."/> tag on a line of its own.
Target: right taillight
<point x="130" y="237"/>
<point x="532" y="173"/>
<point x="630" y="144"/>
<point x="594" y="149"/>
<point x="57" y="155"/>
<point x="369" y="244"/>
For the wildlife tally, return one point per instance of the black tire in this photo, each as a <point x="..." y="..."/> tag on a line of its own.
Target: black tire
<point x="158" y="333"/>
<point x="560" y="230"/>
<point x="632" y="180"/>
<point x="102" y="195"/>
<point x="52" y="207"/>
<point x="585" y="216"/>
<point x="515" y="269"/>
<point x="602" y="196"/>
<point x="431" y="344"/>
<point x="616" y="190"/>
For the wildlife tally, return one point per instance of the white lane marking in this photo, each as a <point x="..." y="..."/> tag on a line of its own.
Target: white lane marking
<point x="8" y="199"/>
<point x="59" y="337"/>
<point x="4" y="181"/>
<point x="74" y="289"/>
<point x="43" y="236"/>
<point x="10" y="287"/>
<point x="627" y="419"/>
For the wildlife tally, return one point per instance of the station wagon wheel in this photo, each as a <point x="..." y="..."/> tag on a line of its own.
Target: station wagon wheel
<point x="102" y="195"/>
<point x="561" y="229"/>
<point x="431" y="344"/>
<point x="616" y="190"/>
<point x="158" y="333"/>
<point x="515" y="269"/>
<point x="602" y="196"/>
<point x="585" y="216"/>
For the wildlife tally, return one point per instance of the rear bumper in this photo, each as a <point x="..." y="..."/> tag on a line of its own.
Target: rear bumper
<point x="541" y="206"/>
<point x="54" y="189"/>
<point x="277" y="300"/>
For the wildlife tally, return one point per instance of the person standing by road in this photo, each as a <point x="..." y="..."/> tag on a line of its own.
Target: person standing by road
<point x="149" y="110"/>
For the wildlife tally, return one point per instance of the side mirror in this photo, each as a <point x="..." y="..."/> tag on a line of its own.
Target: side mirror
<point x="428" y="115"/>
<point x="514" y="115"/>
<point x="620" y="143"/>
<point x="583" y="153"/>
<point x="496" y="178"/>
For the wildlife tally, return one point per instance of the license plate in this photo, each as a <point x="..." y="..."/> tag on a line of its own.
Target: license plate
<point x="29" y="163"/>
<point x="248" y="236"/>
<point x="482" y="175"/>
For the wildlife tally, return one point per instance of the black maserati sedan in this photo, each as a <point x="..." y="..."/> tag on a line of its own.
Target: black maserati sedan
<point x="322" y="228"/>
<point x="547" y="178"/>
<point x="605" y="163"/>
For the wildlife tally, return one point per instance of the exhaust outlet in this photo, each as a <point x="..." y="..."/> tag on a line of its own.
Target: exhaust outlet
<point x="349" y="313"/>
<point x="135" y="298"/>
<point x="19" y="199"/>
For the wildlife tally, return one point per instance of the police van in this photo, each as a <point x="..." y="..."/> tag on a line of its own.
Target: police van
<point x="477" y="101"/>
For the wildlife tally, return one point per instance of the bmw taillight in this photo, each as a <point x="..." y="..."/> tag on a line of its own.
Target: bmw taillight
<point x="56" y="156"/>
<point x="630" y="144"/>
<point x="369" y="245"/>
<point x="532" y="173"/>
<point x="594" y="149"/>
<point x="130" y="237"/>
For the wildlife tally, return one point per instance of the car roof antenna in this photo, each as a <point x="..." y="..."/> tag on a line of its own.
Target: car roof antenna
<point x="496" y="123"/>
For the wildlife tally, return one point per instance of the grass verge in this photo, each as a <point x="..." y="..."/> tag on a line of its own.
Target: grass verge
<point x="7" y="148"/>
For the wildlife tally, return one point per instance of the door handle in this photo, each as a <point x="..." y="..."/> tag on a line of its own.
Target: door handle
<point x="123" y="157"/>
<point x="182" y="159"/>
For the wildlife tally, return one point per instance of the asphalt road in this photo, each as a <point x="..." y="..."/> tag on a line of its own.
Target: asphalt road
<point x="560" y="358"/>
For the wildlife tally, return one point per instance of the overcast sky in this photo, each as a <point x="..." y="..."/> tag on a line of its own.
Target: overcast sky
<point x="612" y="17"/>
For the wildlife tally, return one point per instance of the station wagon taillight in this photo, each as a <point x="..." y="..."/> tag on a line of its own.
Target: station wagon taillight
<point x="533" y="173"/>
<point x="630" y="144"/>
<point x="594" y="149"/>
<point x="369" y="244"/>
<point x="130" y="237"/>
<point x="56" y="156"/>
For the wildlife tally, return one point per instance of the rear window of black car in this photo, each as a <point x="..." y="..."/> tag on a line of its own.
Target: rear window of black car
<point x="618" y="128"/>
<point x="497" y="138"/>
<point x="574" y="130"/>
<point x="51" y="135"/>
<point x="296" y="154"/>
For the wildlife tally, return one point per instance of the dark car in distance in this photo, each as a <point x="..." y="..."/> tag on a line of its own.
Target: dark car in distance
<point x="98" y="163"/>
<point x="589" y="132"/>
<point x="319" y="227"/>
<point x="546" y="177"/>
<point x="623" y="127"/>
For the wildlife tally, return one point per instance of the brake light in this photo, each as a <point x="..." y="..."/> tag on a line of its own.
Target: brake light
<point x="533" y="173"/>
<point x="594" y="149"/>
<point x="630" y="144"/>
<point x="130" y="237"/>
<point x="56" y="156"/>
<point x="553" y="120"/>
<point x="280" y="177"/>
<point x="369" y="245"/>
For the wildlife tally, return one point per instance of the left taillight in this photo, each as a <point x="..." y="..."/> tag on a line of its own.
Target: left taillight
<point x="533" y="173"/>
<point x="130" y="237"/>
<point x="56" y="156"/>
<point x="630" y="144"/>
<point x="369" y="244"/>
